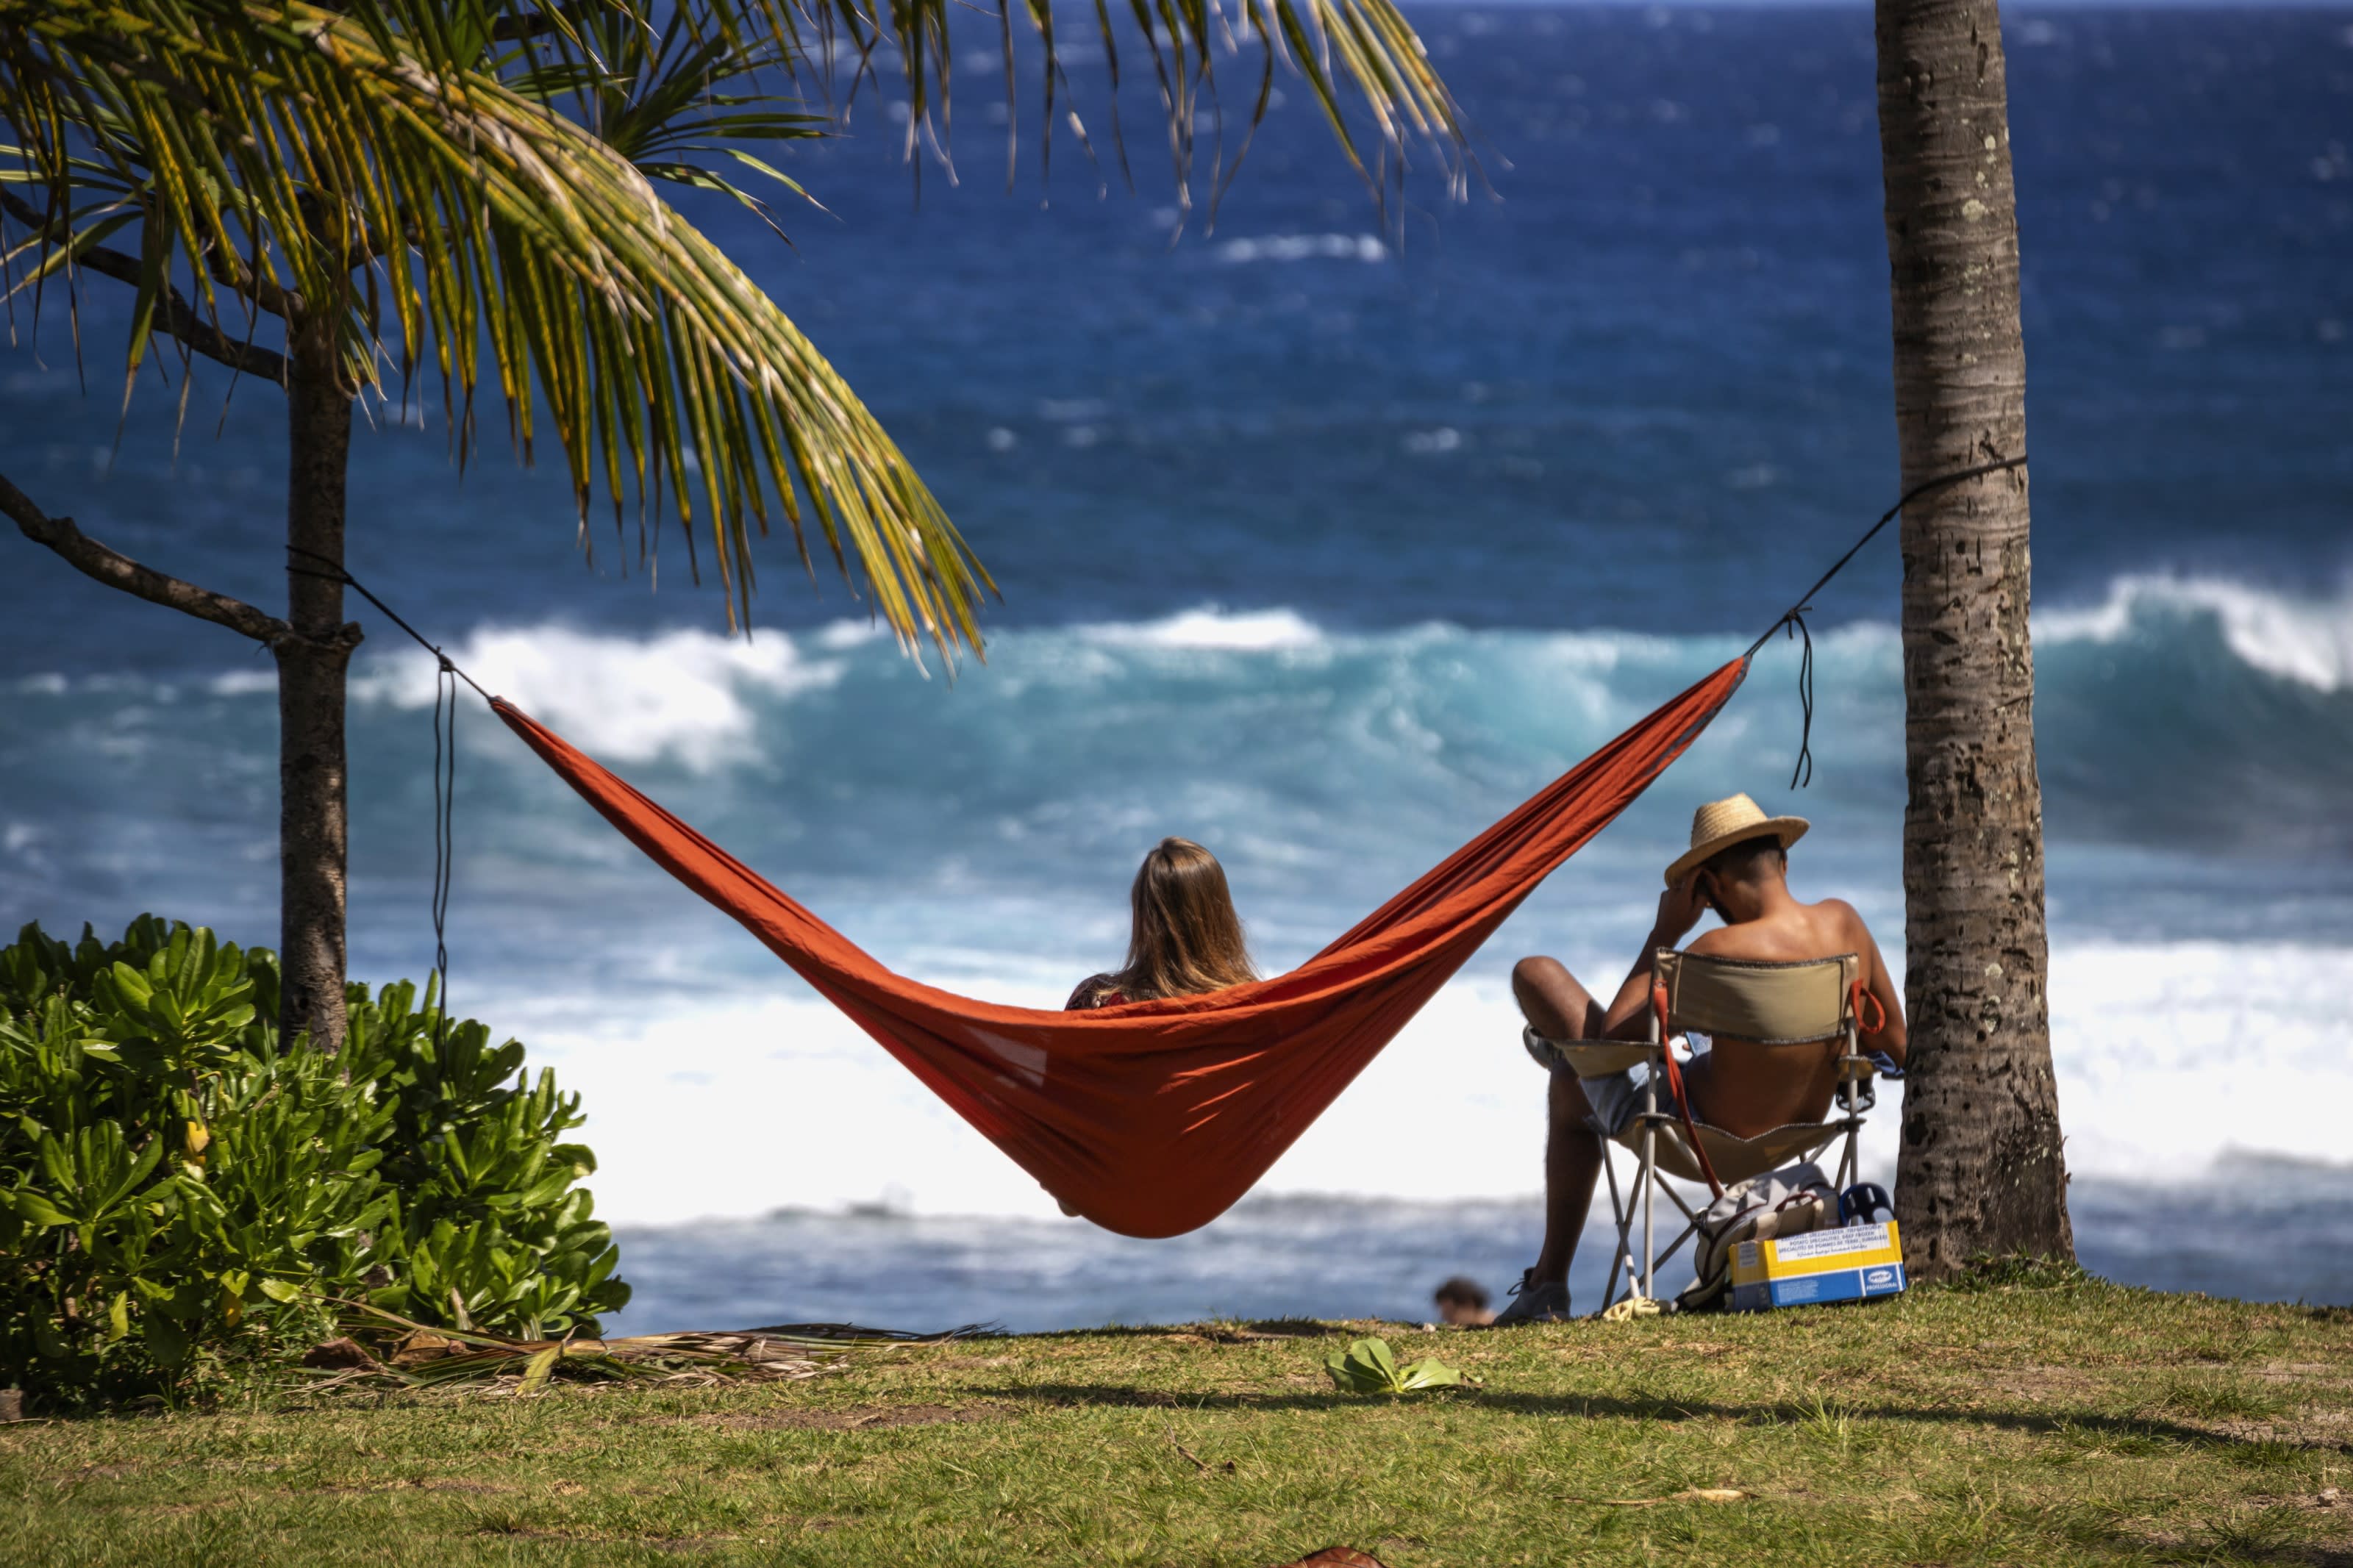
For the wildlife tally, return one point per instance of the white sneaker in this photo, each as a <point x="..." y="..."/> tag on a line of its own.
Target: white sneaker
<point x="1535" y="1302"/>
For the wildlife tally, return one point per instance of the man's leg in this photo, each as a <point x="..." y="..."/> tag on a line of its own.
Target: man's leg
<point x="1572" y="1168"/>
<point x="1552" y="1002"/>
<point x="1559" y="1008"/>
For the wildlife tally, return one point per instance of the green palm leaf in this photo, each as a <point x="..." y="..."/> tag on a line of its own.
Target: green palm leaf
<point x="465" y="190"/>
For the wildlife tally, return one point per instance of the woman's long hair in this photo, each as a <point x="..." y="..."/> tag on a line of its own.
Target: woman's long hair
<point x="1186" y="937"/>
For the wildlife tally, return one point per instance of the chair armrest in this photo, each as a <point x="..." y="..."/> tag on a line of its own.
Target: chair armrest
<point x="1588" y="1059"/>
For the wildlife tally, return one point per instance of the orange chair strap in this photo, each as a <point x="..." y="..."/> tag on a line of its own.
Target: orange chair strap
<point x="1676" y="1088"/>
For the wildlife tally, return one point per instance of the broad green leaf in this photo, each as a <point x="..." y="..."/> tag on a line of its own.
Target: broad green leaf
<point x="135" y="987"/>
<point x="166" y="1340"/>
<point x="1428" y="1374"/>
<point x="35" y="1209"/>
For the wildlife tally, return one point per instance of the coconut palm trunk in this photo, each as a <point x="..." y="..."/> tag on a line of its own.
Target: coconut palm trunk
<point x="313" y="796"/>
<point x="1981" y="1168"/>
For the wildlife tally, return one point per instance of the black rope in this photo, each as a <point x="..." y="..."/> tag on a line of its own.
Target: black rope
<point x="445" y="824"/>
<point x="446" y="675"/>
<point x="1794" y="617"/>
<point x="1805" y="763"/>
<point x="339" y="575"/>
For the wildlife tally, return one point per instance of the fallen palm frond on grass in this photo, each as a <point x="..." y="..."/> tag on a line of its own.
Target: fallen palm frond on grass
<point x="382" y="1349"/>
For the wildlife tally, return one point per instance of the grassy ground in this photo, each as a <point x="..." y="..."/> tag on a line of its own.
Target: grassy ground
<point x="2083" y="1424"/>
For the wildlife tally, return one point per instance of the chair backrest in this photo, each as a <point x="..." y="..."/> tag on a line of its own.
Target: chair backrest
<point x="1773" y="1003"/>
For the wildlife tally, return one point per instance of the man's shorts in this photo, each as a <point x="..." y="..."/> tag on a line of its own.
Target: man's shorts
<point x="1616" y="1098"/>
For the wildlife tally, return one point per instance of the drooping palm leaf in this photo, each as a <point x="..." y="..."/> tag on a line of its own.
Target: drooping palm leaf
<point x="465" y="187"/>
<point x="287" y="143"/>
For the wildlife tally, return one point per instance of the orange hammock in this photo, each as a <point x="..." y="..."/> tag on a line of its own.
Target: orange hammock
<point x="1152" y="1118"/>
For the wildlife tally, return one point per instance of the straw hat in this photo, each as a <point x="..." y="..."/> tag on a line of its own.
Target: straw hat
<point x="1723" y="822"/>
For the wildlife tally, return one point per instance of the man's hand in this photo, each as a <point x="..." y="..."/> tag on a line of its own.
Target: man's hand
<point x="1680" y="908"/>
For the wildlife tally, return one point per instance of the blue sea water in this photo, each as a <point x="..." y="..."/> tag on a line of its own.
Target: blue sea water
<point x="1325" y="539"/>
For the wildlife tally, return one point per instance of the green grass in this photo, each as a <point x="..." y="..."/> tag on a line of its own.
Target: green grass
<point x="2082" y="1424"/>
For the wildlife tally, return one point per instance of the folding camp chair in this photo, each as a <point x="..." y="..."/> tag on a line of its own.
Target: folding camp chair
<point x="1770" y="1003"/>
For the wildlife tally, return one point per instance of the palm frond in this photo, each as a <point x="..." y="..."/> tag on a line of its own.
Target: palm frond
<point x="383" y="1350"/>
<point x="290" y="144"/>
<point x="465" y="190"/>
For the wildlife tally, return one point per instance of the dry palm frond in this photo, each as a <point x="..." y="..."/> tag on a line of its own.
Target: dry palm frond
<point x="385" y="1350"/>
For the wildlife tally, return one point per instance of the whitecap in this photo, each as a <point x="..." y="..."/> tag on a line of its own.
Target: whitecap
<point x="2307" y="641"/>
<point x="1239" y="631"/>
<point x="679" y="695"/>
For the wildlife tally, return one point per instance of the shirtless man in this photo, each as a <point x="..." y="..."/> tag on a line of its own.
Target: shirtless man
<point x="1738" y="867"/>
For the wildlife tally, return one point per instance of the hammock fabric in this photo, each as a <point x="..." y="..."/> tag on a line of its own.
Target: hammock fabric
<point x="1152" y="1118"/>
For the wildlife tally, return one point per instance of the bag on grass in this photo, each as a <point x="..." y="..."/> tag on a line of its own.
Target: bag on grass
<point x="1791" y="1201"/>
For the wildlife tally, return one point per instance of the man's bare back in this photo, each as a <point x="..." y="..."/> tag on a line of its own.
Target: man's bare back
<point x="1747" y="1088"/>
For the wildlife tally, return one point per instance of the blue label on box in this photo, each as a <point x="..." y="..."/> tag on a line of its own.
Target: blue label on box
<point x="1811" y="1290"/>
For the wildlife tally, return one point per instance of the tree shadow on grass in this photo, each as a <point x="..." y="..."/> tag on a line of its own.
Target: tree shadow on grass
<point x="1590" y="1407"/>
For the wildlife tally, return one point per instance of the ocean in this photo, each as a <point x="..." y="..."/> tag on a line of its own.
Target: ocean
<point x="1324" y="538"/>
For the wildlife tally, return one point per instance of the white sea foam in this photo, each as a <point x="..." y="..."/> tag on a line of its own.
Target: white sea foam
<point x="1239" y="631"/>
<point x="2170" y="1059"/>
<point x="2305" y="641"/>
<point x="683" y="693"/>
<point x="679" y="695"/>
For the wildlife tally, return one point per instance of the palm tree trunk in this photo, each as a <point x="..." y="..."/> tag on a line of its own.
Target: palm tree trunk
<point x="1981" y="1168"/>
<point x="312" y="818"/>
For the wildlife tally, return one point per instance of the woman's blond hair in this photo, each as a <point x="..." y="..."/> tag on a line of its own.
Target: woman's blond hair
<point x="1186" y="938"/>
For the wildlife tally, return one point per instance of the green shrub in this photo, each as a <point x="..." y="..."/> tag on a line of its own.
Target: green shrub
<point x="180" y="1192"/>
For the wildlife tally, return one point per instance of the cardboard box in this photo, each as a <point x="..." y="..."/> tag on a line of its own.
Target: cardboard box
<point x="1848" y="1264"/>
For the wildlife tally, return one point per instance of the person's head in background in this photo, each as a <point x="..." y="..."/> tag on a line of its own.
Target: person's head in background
<point x="1186" y="938"/>
<point x="1463" y="1303"/>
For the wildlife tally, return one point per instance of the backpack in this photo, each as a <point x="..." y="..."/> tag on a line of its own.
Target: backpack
<point x="1791" y="1201"/>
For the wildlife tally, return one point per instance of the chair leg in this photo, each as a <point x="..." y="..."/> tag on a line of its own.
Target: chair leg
<point x="1677" y="1199"/>
<point x="1649" y="1178"/>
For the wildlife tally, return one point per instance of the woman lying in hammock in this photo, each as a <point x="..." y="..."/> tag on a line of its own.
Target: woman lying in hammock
<point x="1186" y="938"/>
